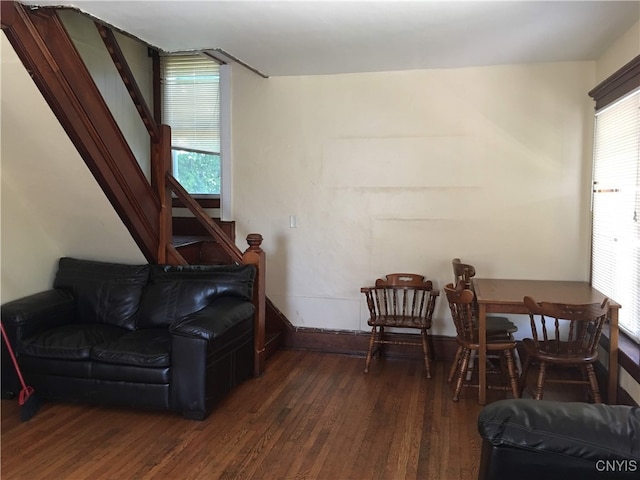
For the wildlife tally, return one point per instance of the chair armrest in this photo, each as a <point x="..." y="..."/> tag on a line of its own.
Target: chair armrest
<point x="215" y="319"/>
<point x="26" y="316"/>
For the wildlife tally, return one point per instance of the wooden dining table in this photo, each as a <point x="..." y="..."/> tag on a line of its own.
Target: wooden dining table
<point x="506" y="296"/>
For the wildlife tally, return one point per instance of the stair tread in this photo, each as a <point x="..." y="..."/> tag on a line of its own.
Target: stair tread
<point x="182" y="240"/>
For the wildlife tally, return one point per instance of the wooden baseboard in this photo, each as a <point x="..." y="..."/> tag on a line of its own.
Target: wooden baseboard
<point x="354" y="342"/>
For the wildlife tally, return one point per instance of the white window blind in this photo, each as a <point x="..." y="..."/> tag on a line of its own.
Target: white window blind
<point x="615" y="269"/>
<point x="191" y="102"/>
<point x="191" y="107"/>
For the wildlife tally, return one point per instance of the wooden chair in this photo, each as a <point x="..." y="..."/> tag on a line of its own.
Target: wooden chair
<point x="464" y="272"/>
<point x="565" y="336"/>
<point x="500" y="342"/>
<point x="400" y="300"/>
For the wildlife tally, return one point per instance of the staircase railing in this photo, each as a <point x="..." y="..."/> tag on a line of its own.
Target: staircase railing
<point x="44" y="47"/>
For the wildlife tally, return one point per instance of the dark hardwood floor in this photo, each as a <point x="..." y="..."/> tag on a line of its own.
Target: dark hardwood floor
<point x="310" y="416"/>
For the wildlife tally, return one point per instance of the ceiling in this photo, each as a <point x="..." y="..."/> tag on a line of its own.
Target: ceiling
<point x="330" y="37"/>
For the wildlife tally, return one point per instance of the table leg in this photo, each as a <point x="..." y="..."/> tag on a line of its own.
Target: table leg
<point x="612" y="390"/>
<point x="482" y="354"/>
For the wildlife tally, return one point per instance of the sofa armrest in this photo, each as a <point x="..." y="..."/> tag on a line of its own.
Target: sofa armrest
<point x="590" y="431"/>
<point x="530" y="439"/>
<point x="213" y="320"/>
<point x="25" y="316"/>
<point x="208" y="351"/>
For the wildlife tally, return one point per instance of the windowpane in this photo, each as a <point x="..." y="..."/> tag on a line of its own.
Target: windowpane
<point x="616" y="208"/>
<point x="197" y="172"/>
<point x="191" y="107"/>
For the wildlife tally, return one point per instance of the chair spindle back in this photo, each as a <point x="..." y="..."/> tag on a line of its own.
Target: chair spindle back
<point x="461" y="305"/>
<point x="567" y="330"/>
<point x="401" y="295"/>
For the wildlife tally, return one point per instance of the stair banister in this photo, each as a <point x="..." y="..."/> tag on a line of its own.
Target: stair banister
<point x="254" y="255"/>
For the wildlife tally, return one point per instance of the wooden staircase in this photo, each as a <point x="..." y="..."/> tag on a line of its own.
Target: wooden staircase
<point x="44" y="47"/>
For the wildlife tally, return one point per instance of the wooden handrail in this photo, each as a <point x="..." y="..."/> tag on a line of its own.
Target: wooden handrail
<point x="210" y="226"/>
<point x="128" y="79"/>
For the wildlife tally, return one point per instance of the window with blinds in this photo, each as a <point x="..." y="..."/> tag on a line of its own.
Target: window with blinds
<point x="615" y="252"/>
<point x="191" y="107"/>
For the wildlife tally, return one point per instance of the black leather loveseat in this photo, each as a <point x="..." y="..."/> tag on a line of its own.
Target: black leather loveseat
<point x="528" y="439"/>
<point x="151" y="336"/>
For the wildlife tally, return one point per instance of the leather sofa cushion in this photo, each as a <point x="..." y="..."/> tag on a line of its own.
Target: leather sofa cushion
<point x="71" y="342"/>
<point x="130" y="374"/>
<point x="144" y="348"/>
<point x="55" y="367"/>
<point x="175" y="292"/>
<point x="108" y="293"/>
<point x="581" y="430"/>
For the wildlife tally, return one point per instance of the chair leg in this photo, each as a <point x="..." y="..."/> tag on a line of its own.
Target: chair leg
<point x="456" y="362"/>
<point x="513" y="378"/>
<point x="540" y="382"/>
<point x="472" y="362"/>
<point x="593" y="382"/>
<point x="380" y="351"/>
<point x="523" y="375"/>
<point x="372" y="340"/>
<point x="516" y="359"/>
<point x="425" y="351"/>
<point x="461" y="373"/>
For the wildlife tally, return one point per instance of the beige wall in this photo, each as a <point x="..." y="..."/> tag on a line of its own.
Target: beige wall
<point x="401" y="171"/>
<point x="625" y="49"/>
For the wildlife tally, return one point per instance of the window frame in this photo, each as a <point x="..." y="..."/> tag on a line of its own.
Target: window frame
<point x="206" y="200"/>
<point x="615" y="253"/>
<point x="616" y="87"/>
<point x="619" y="84"/>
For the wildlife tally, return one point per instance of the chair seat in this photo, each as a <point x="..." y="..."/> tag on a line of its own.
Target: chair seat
<point x="556" y="352"/>
<point x="501" y="323"/>
<point x="495" y="341"/>
<point x="399" y="321"/>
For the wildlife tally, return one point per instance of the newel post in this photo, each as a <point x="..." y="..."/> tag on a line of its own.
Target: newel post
<point x="254" y="255"/>
<point x="161" y="165"/>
